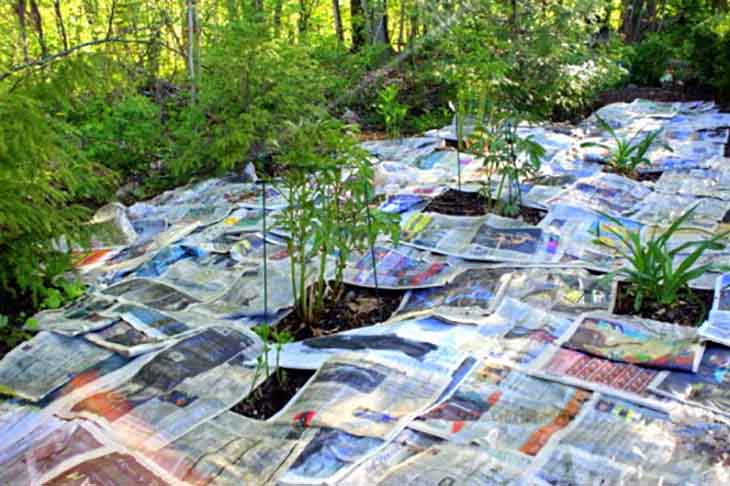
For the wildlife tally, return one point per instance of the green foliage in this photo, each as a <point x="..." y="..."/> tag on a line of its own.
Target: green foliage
<point x="393" y="112"/>
<point x="651" y="58"/>
<point x="655" y="272"/>
<point x="126" y="136"/>
<point x="707" y="52"/>
<point x="328" y="183"/>
<point x="627" y="154"/>
<point x="508" y="160"/>
<point x="253" y="85"/>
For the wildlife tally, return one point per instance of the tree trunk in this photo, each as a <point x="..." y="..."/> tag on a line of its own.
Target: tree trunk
<point x="338" y="21"/>
<point x="277" y="18"/>
<point x="59" y="23"/>
<point x="35" y="16"/>
<point x="401" y="25"/>
<point x="20" y="11"/>
<point x="381" y="34"/>
<point x="192" y="20"/>
<point x="357" y="24"/>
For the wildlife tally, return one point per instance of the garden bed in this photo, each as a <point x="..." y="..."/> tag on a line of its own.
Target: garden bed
<point x="356" y="307"/>
<point x="272" y="395"/>
<point x="690" y="309"/>
<point x="463" y="203"/>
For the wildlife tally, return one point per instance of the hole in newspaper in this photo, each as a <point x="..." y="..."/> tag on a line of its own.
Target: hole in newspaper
<point x="273" y="394"/>
<point x="690" y="309"/>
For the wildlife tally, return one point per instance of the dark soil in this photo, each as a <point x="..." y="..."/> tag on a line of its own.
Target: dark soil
<point x="271" y="396"/>
<point x="462" y="203"/>
<point x="356" y="307"/>
<point x="726" y="218"/>
<point x="637" y="176"/>
<point x="690" y="309"/>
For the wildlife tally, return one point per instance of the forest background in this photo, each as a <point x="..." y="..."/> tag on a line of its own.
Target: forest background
<point x="121" y="99"/>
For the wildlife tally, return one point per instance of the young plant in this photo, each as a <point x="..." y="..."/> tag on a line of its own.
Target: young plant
<point x="628" y="154"/>
<point x="329" y="184"/>
<point x="657" y="271"/>
<point x="393" y="112"/>
<point x="279" y="339"/>
<point x="508" y="160"/>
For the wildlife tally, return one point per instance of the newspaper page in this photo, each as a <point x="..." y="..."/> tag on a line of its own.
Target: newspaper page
<point x="523" y="335"/>
<point x="705" y="182"/>
<point x="230" y="449"/>
<point x="484" y="238"/>
<point x="720" y="311"/>
<point x="407" y="150"/>
<point x="151" y="294"/>
<point x="715" y="331"/>
<point x="204" y="277"/>
<point x="108" y="468"/>
<point x="609" y="193"/>
<point x="405" y="445"/>
<point x="430" y="341"/>
<point x="644" y="445"/>
<point x="162" y="396"/>
<point x="638" y="341"/>
<point x="111" y="228"/>
<point x="707" y="388"/>
<point x="37" y="367"/>
<point x="568" y="291"/>
<point x="398" y="268"/>
<point x="456" y="464"/>
<point x="662" y="209"/>
<point x="239" y="222"/>
<point x="501" y="408"/>
<point x="83" y="315"/>
<point x="588" y="237"/>
<point x="400" y="203"/>
<point x="623" y="380"/>
<point x="365" y="395"/>
<point x="52" y="447"/>
<point x="469" y="297"/>
<point x="329" y="455"/>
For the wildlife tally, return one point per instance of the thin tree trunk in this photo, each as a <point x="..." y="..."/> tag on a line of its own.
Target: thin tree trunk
<point x="357" y="24"/>
<point x="277" y="17"/>
<point x="20" y="9"/>
<point x="59" y="23"/>
<point x="35" y="15"/>
<point x="381" y="34"/>
<point x="338" y="21"/>
<point x="191" y="47"/>
<point x="401" y="25"/>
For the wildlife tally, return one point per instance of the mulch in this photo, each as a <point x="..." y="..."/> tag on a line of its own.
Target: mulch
<point x="356" y="307"/>
<point x="691" y="309"/>
<point x="463" y="203"/>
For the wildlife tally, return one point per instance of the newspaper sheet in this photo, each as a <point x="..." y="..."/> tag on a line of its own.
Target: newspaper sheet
<point x="405" y="445"/>
<point x="469" y="297"/>
<point x="108" y="469"/>
<point x="83" y="315"/>
<point x="720" y="311"/>
<point x="707" y="388"/>
<point x="481" y="238"/>
<point x="400" y="203"/>
<point x="142" y="329"/>
<point x="501" y="408"/>
<point x="368" y="396"/>
<point x="37" y="367"/>
<point x="604" y="192"/>
<point x="50" y="449"/>
<point x="329" y="455"/>
<point x="398" y="268"/>
<point x="163" y="395"/>
<point x="589" y="238"/>
<point x="111" y="228"/>
<point x="407" y="150"/>
<point x="523" y="335"/>
<point x="662" y="209"/>
<point x="638" y="341"/>
<point x="431" y="342"/>
<point x="624" y="441"/>
<point x="623" y="380"/>
<point x="151" y="294"/>
<point x="230" y="449"/>
<point x="218" y="237"/>
<point x="563" y="290"/>
<point x="452" y="464"/>
<point x="705" y="182"/>
<point x="715" y="331"/>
